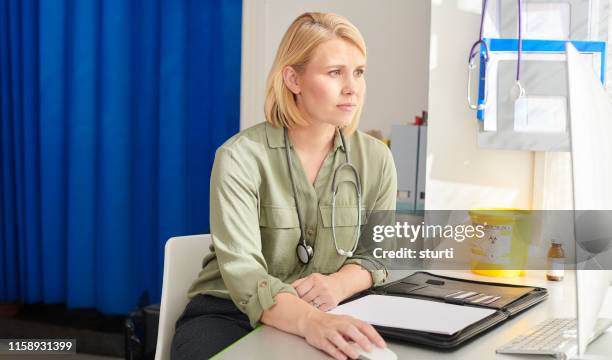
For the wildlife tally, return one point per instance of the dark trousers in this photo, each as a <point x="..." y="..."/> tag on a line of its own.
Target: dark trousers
<point x="207" y="326"/>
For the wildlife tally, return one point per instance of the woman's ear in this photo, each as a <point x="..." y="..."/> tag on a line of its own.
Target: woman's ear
<point x="290" y="77"/>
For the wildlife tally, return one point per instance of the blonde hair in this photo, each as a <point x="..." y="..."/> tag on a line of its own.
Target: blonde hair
<point x="296" y="48"/>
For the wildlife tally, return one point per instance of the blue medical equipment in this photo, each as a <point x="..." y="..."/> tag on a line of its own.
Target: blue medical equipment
<point x="495" y="46"/>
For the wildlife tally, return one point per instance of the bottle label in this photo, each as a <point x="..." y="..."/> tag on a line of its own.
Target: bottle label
<point x="556" y="267"/>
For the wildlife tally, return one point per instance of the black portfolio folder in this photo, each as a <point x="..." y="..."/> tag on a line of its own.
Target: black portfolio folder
<point x="509" y="300"/>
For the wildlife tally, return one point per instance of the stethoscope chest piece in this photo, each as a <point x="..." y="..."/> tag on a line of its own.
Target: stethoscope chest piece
<point x="304" y="253"/>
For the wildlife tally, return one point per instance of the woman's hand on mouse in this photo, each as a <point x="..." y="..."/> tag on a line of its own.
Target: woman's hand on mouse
<point x="322" y="291"/>
<point x="333" y="334"/>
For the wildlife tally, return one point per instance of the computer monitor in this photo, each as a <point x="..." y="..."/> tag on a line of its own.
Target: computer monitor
<point x="590" y="110"/>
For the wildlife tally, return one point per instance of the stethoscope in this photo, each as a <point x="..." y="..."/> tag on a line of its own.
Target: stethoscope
<point x="517" y="90"/>
<point x="304" y="251"/>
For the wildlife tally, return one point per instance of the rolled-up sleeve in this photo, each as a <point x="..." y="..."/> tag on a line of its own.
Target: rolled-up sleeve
<point x="236" y="237"/>
<point x="383" y="212"/>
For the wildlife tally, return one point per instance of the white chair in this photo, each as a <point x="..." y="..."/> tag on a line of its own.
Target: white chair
<point x="182" y="263"/>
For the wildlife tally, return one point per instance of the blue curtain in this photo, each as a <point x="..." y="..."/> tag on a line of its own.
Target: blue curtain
<point x="110" y="114"/>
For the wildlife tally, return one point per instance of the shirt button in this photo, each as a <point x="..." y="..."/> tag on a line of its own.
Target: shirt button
<point x="310" y="232"/>
<point x="263" y="284"/>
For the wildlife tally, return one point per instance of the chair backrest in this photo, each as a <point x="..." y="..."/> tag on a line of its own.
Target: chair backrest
<point x="182" y="263"/>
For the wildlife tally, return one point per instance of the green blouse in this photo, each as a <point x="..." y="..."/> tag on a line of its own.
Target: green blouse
<point x="254" y="223"/>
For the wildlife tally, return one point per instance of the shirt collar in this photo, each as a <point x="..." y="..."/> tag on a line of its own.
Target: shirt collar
<point x="276" y="138"/>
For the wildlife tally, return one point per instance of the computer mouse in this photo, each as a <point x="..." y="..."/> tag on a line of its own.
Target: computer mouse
<point x="376" y="353"/>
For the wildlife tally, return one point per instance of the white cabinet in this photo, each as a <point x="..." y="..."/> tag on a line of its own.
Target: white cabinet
<point x="408" y="145"/>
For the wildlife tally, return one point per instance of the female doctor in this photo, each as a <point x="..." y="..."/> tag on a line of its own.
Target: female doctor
<point x="285" y="200"/>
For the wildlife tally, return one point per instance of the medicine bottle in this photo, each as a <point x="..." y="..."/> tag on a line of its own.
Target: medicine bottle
<point x="556" y="262"/>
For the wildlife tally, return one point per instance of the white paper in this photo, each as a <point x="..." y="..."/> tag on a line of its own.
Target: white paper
<point x="413" y="314"/>
<point x="546" y="20"/>
<point x="540" y="114"/>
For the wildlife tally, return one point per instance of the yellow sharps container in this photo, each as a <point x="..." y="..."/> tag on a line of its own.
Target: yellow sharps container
<point x="503" y="249"/>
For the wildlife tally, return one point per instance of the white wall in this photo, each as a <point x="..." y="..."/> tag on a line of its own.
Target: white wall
<point x="609" y="55"/>
<point x="460" y="175"/>
<point x="397" y="38"/>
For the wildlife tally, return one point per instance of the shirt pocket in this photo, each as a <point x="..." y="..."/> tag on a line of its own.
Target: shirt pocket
<point x="280" y="235"/>
<point x="346" y="221"/>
